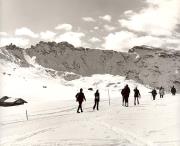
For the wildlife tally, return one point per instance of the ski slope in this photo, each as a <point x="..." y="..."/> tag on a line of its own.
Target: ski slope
<point x="52" y="118"/>
<point x="150" y="123"/>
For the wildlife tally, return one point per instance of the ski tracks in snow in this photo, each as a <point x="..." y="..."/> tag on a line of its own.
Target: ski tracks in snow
<point x="10" y="140"/>
<point x="136" y="140"/>
<point x="91" y="121"/>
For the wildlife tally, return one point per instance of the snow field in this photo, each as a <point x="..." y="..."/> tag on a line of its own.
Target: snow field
<point x="53" y="119"/>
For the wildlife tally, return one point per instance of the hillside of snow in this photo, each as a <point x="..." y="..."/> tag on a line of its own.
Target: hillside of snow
<point x="36" y="83"/>
<point x="52" y="118"/>
<point x="152" y="123"/>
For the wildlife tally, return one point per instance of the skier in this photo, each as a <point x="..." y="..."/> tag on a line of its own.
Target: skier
<point x="161" y="92"/>
<point x="125" y="94"/>
<point x="136" y="96"/>
<point x="96" y="100"/>
<point x="80" y="98"/>
<point x="154" y="93"/>
<point x="173" y="90"/>
<point x="123" y="98"/>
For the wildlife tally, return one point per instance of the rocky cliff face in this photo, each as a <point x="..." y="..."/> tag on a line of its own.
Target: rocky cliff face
<point x="64" y="57"/>
<point x="157" y="67"/>
<point x="14" y="54"/>
<point x="152" y="66"/>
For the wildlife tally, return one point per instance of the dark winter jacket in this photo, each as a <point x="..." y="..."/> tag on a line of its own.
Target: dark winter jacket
<point x="80" y="97"/>
<point x="154" y="93"/>
<point x="173" y="90"/>
<point x="97" y="96"/>
<point x="136" y="92"/>
<point x="125" y="92"/>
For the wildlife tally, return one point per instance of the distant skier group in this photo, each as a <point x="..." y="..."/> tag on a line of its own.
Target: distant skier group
<point x="162" y="92"/>
<point x="125" y="96"/>
<point x="80" y="97"/>
<point x="126" y="92"/>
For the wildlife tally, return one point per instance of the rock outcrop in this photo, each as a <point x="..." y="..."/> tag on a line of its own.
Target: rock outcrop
<point x="12" y="53"/>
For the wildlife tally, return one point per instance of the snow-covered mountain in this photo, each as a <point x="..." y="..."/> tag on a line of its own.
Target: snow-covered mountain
<point x="52" y="116"/>
<point x="48" y="80"/>
<point x="147" y="65"/>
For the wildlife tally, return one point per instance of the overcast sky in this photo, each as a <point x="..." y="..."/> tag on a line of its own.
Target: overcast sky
<point x="104" y="24"/>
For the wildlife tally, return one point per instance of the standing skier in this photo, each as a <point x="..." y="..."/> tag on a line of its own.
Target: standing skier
<point x="173" y="90"/>
<point x="96" y="100"/>
<point x="80" y="98"/>
<point x="136" y="96"/>
<point x="154" y="93"/>
<point x="123" y="98"/>
<point x="125" y="94"/>
<point x="161" y="92"/>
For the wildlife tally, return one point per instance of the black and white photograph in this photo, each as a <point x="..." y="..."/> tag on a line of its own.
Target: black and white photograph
<point x="89" y="72"/>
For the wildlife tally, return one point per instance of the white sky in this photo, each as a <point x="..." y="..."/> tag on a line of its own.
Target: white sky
<point x="105" y="24"/>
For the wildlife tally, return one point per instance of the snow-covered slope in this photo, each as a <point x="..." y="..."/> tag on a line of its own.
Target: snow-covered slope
<point x="36" y="83"/>
<point x="52" y="118"/>
<point x="152" y="123"/>
<point x="51" y="108"/>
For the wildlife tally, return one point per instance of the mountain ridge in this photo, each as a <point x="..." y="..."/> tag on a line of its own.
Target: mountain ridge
<point x="147" y="65"/>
